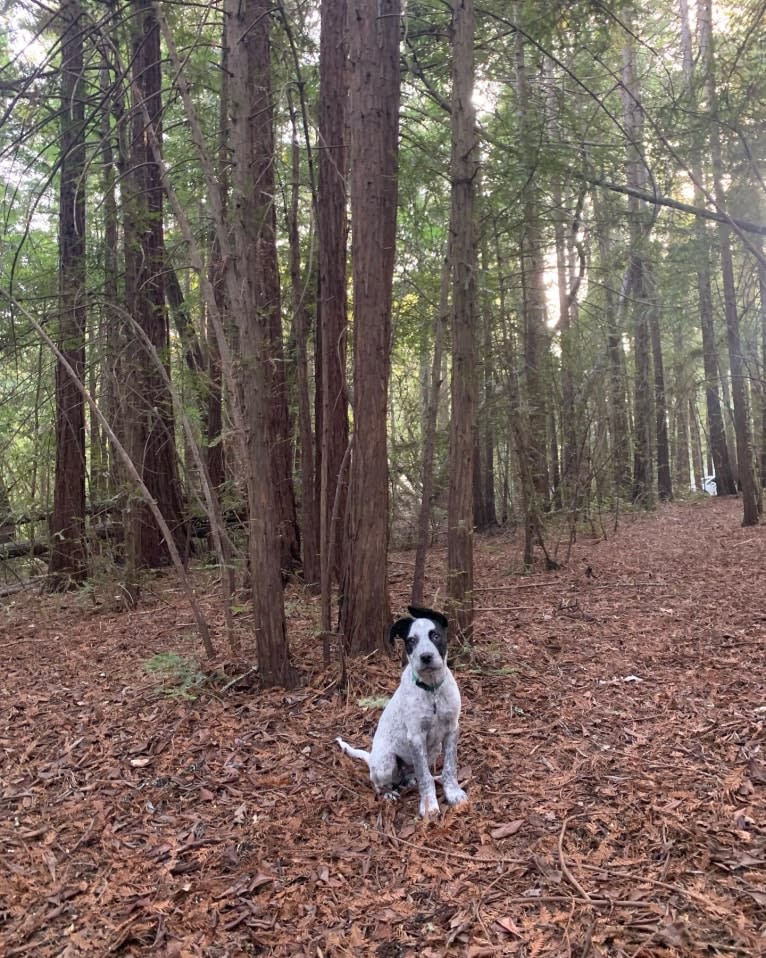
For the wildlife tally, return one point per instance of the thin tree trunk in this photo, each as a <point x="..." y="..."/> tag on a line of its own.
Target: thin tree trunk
<point x="109" y="391"/>
<point x="682" y="425"/>
<point x="68" y="562"/>
<point x="762" y="315"/>
<point x="485" y="511"/>
<point x="637" y="292"/>
<point x="534" y="301"/>
<point x="619" y="428"/>
<point x="464" y="168"/>
<point x="215" y="458"/>
<point x="301" y="325"/>
<point x="697" y="459"/>
<point x="662" y="445"/>
<point x="374" y="124"/>
<point x="331" y="401"/>
<point x="429" y="436"/>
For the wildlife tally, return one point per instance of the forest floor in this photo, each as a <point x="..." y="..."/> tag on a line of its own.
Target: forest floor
<point x="613" y="747"/>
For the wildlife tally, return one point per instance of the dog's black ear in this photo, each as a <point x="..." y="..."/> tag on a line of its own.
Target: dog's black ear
<point x="400" y="628"/>
<point x="436" y="617"/>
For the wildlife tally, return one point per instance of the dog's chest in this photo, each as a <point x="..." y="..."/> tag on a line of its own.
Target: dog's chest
<point x="436" y="711"/>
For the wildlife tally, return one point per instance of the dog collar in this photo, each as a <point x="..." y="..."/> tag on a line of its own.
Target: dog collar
<point x="425" y="685"/>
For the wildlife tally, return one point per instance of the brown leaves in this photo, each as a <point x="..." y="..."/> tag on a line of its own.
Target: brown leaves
<point x="505" y="831"/>
<point x="139" y="825"/>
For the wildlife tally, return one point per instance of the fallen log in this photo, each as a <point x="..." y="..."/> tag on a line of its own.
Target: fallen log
<point x="22" y="548"/>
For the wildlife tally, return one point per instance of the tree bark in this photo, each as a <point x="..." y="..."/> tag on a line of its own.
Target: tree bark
<point x="762" y="316"/>
<point x="637" y="292"/>
<point x="719" y="450"/>
<point x="619" y="427"/>
<point x="662" y="444"/>
<point x="148" y="415"/>
<point x="263" y="271"/>
<point x="534" y="303"/>
<point x="68" y="561"/>
<point x="429" y="436"/>
<point x="751" y="506"/>
<point x="247" y="39"/>
<point x="464" y="169"/>
<point x="374" y="124"/>
<point x="299" y="338"/>
<point x="331" y="402"/>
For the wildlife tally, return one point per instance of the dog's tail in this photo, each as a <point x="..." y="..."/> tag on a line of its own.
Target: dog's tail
<point x="354" y="752"/>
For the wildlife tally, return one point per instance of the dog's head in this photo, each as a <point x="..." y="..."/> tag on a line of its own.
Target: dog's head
<point x="424" y="633"/>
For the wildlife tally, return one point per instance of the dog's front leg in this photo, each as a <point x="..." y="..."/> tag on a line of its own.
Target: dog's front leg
<point x="452" y="791"/>
<point x="426" y="785"/>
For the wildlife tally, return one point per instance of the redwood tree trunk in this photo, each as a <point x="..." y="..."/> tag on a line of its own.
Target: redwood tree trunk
<point x="68" y="562"/>
<point x="374" y="125"/>
<point x="148" y="417"/>
<point x="263" y="270"/>
<point x="750" y="492"/>
<point x="719" y="450"/>
<point x="246" y="24"/>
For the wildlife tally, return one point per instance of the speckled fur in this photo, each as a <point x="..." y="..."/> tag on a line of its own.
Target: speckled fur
<point x="418" y="724"/>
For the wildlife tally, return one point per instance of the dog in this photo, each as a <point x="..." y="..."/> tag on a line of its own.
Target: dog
<point x="422" y="719"/>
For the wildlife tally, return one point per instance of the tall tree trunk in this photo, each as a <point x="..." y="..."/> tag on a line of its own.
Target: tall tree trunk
<point x="534" y="303"/>
<point x="111" y="400"/>
<point x="662" y="444"/>
<point x="683" y="391"/>
<point x="762" y="315"/>
<point x="697" y="460"/>
<point x="331" y="402"/>
<point x="149" y="413"/>
<point x="215" y="452"/>
<point x="485" y="513"/>
<point x="247" y="32"/>
<point x="429" y="435"/>
<point x="301" y="326"/>
<point x="619" y="428"/>
<point x="751" y="505"/>
<point x="464" y="168"/>
<point x="637" y="291"/>
<point x="570" y="481"/>
<point x="68" y="561"/>
<point x="374" y="126"/>
<point x="263" y="272"/>
<point x="719" y="450"/>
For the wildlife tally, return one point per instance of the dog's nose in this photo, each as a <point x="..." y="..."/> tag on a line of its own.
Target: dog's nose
<point x="426" y="658"/>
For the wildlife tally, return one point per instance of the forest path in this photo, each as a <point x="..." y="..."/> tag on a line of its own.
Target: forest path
<point x="613" y="746"/>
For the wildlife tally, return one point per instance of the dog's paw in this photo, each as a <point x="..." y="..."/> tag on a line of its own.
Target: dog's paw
<point x="429" y="807"/>
<point x="454" y="795"/>
<point x="390" y="796"/>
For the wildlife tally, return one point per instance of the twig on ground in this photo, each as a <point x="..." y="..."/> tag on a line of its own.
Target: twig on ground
<point x="564" y="867"/>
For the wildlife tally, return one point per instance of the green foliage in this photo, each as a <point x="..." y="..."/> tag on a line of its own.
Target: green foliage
<point x="179" y="676"/>
<point x="374" y="702"/>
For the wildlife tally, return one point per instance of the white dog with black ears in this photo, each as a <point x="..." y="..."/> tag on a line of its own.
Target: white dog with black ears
<point x="422" y="719"/>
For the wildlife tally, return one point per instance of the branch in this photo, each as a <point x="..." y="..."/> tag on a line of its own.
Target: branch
<point x="657" y="199"/>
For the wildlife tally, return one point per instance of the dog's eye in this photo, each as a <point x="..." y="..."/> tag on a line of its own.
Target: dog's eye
<point x="433" y="635"/>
